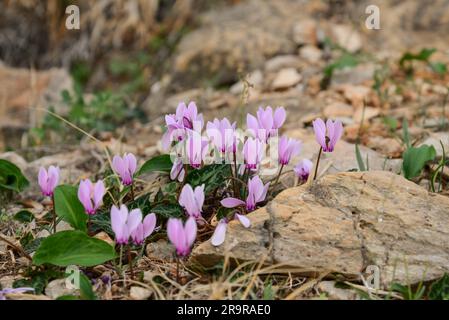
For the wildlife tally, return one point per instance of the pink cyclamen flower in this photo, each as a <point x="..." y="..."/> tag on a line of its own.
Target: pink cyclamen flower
<point x="196" y="148"/>
<point x="186" y="118"/>
<point x="220" y="231"/>
<point x="6" y="291"/>
<point x="253" y="152"/>
<point x="124" y="223"/>
<point x="303" y="168"/>
<point x="125" y="167"/>
<point x="222" y="134"/>
<point x="177" y="170"/>
<point x="144" y="229"/>
<point x="192" y="200"/>
<point x="48" y="180"/>
<point x="257" y="192"/>
<point x="288" y="148"/>
<point x="327" y="134"/>
<point x="267" y="123"/>
<point x="182" y="237"/>
<point x="91" y="195"/>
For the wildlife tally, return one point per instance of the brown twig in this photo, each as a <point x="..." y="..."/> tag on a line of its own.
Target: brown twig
<point x="19" y="249"/>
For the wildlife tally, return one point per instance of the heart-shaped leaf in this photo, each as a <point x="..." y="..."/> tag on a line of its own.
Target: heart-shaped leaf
<point x="160" y="163"/>
<point x="11" y="177"/>
<point x="69" y="208"/>
<point x="414" y="160"/>
<point x="73" y="247"/>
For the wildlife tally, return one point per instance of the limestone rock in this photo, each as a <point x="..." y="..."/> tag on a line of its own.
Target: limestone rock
<point x="139" y="293"/>
<point x="161" y="250"/>
<point x="347" y="37"/>
<point x="343" y="223"/>
<point x="282" y="62"/>
<point x="286" y="78"/>
<point x="237" y="37"/>
<point x="335" y="293"/>
<point x="311" y="54"/>
<point x="305" y="32"/>
<point x="434" y="140"/>
<point x="58" y="288"/>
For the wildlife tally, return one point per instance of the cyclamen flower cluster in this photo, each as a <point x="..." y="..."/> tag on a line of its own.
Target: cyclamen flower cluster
<point x="185" y="126"/>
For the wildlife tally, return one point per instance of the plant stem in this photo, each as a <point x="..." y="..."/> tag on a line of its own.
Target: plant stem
<point x="317" y="163"/>
<point x="120" y="258"/>
<point x="54" y="213"/>
<point x="177" y="269"/>
<point x="236" y="172"/>
<point x="279" y="174"/>
<point x="89" y="224"/>
<point x="132" y="191"/>
<point x="130" y="262"/>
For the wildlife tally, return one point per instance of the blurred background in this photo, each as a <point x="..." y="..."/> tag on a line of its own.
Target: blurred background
<point x="132" y="61"/>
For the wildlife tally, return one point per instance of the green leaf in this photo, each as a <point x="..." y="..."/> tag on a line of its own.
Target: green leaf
<point x="438" y="67"/>
<point x="68" y="297"/>
<point x="73" y="247"/>
<point x="160" y="163"/>
<point x="11" y="177"/>
<point x="168" y="210"/>
<point x="359" y="158"/>
<point x="405" y="133"/>
<point x="212" y="176"/>
<point x="86" y="292"/>
<point x="423" y="55"/>
<point x="440" y="289"/>
<point x="24" y="216"/>
<point x="69" y="208"/>
<point x="223" y="212"/>
<point x="414" y="160"/>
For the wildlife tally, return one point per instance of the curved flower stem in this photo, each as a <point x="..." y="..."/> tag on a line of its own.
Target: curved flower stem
<point x="54" y="213"/>
<point x="243" y="183"/>
<point x="317" y="163"/>
<point x="130" y="262"/>
<point x="279" y="174"/>
<point x="132" y="191"/>
<point x="120" y="258"/>
<point x="177" y="268"/>
<point x="236" y="172"/>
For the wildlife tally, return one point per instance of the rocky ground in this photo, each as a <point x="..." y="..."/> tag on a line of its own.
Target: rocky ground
<point x="315" y="58"/>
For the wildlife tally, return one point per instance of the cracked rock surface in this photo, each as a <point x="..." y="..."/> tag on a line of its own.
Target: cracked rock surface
<point x="343" y="223"/>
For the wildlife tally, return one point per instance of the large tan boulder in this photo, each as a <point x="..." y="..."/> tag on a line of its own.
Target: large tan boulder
<point x="344" y="223"/>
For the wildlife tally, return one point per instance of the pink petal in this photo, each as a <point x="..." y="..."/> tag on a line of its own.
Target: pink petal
<point x="42" y="179"/>
<point x="219" y="234"/>
<point x="148" y="224"/>
<point x="131" y="162"/>
<point x="134" y="219"/>
<point x="279" y="117"/>
<point x="334" y="133"/>
<point x="232" y="202"/>
<point x="190" y="231"/>
<point x="175" y="231"/>
<point x="243" y="220"/>
<point x="118" y="165"/>
<point x="320" y="132"/>
<point x="84" y="191"/>
<point x="118" y="220"/>
<point x="99" y="192"/>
